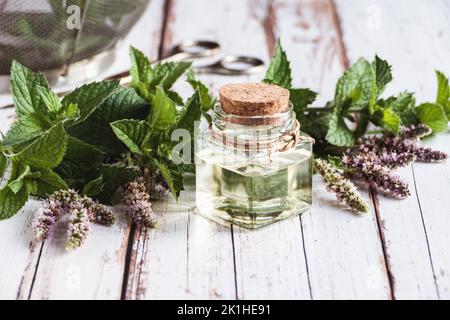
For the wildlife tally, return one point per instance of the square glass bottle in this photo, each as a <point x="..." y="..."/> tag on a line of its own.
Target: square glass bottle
<point x="254" y="165"/>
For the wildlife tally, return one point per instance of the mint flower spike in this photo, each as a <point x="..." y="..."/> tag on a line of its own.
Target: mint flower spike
<point x="346" y="192"/>
<point x="138" y="205"/>
<point x="429" y="155"/>
<point x="415" y="132"/>
<point x="78" y="228"/>
<point x="45" y="219"/>
<point x="368" y="166"/>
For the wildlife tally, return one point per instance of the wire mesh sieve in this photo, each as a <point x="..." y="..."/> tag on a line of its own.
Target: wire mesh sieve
<point x="48" y="34"/>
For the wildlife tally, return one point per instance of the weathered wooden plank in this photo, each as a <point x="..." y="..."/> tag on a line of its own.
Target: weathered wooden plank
<point x="200" y="264"/>
<point x="344" y="253"/>
<point x="432" y="182"/>
<point x="94" y="271"/>
<point x="415" y="41"/>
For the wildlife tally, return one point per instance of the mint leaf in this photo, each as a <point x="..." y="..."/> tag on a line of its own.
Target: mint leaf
<point x="26" y="128"/>
<point x="47" y="151"/>
<point x="81" y="152"/>
<point x="124" y="103"/>
<point x="404" y="106"/>
<point x="301" y="99"/>
<point x="48" y="183"/>
<point x="93" y="187"/>
<point x="190" y="113"/>
<point x="433" y="115"/>
<point x="89" y="96"/>
<point x="163" y="112"/>
<point x="3" y="162"/>
<point x="338" y="132"/>
<point x="23" y="89"/>
<point x="49" y="101"/>
<point x="114" y="177"/>
<point x="173" y="178"/>
<point x="390" y="120"/>
<point x="443" y="94"/>
<point x="171" y="71"/>
<point x="279" y="71"/>
<point x="11" y="203"/>
<point x="383" y="73"/>
<point x="18" y="174"/>
<point x="357" y="88"/>
<point x="140" y="68"/>
<point x="206" y="100"/>
<point x="134" y="134"/>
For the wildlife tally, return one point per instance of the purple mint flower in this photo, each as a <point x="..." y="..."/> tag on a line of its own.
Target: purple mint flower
<point x="429" y="155"/>
<point x="79" y="227"/>
<point x="415" y="132"/>
<point x="45" y="219"/>
<point x="368" y="166"/>
<point x="138" y="205"/>
<point x="346" y="192"/>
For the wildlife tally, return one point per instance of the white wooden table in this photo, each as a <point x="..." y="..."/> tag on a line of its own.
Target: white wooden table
<point x="400" y="250"/>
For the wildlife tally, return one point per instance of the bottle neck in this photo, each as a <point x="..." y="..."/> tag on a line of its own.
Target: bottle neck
<point x="255" y="134"/>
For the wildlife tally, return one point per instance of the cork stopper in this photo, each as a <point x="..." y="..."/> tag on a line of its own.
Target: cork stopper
<point x="253" y="99"/>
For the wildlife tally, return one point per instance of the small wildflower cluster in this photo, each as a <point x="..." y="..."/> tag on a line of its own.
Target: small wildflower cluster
<point x="82" y="211"/>
<point x="138" y="205"/>
<point x="346" y="192"/>
<point x="376" y="157"/>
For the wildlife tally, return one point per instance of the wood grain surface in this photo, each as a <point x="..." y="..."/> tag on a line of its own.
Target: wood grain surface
<point x="400" y="250"/>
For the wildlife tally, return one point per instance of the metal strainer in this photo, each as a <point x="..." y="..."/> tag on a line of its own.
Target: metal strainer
<point x="54" y="34"/>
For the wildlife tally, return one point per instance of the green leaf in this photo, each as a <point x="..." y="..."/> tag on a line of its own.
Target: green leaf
<point x="207" y="100"/>
<point x="171" y="71"/>
<point x="175" y="97"/>
<point x="163" y="112"/>
<point x="48" y="183"/>
<point x="173" y="178"/>
<point x="443" y="94"/>
<point x="18" y="174"/>
<point x="190" y="113"/>
<point x="390" y="120"/>
<point x="404" y="106"/>
<point x="81" y="152"/>
<point x="89" y="96"/>
<point x="49" y="100"/>
<point x="70" y="112"/>
<point x="279" y="71"/>
<point x="133" y="133"/>
<point x="94" y="187"/>
<point x="3" y="162"/>
<point x="47" y="151"/>
<point x="114" y="177"/>
<point x="338" y="132"/>
<point x="11" y="203"/>
<point x="383" y="73"/>
<point x="433" y="115"/>
<point x="301" y="99"/>
<point x="124" y="103"/>
<point x="26" y="128"/>
<point x="140" y="68"/>
<point x="357" y="88"/>
<point x="23" y="89"/>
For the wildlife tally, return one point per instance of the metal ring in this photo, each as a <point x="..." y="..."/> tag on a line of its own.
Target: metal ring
<point x="207" y="48"/>
<point x="255" y="65"/>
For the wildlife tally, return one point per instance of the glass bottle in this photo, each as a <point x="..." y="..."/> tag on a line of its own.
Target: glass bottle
<point x="253" y="170"/>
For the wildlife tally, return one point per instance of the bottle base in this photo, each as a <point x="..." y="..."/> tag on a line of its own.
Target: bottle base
<point x="225" y="214"/>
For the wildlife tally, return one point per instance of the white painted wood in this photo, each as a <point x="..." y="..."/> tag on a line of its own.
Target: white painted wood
<point x="432" y="185"/>
<point x="272" y="278"/>
<point x="344" y="253"/>
<point x="415" y="40"/>
<point x="94" y="271"/>
<point x="329" y="251"/>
